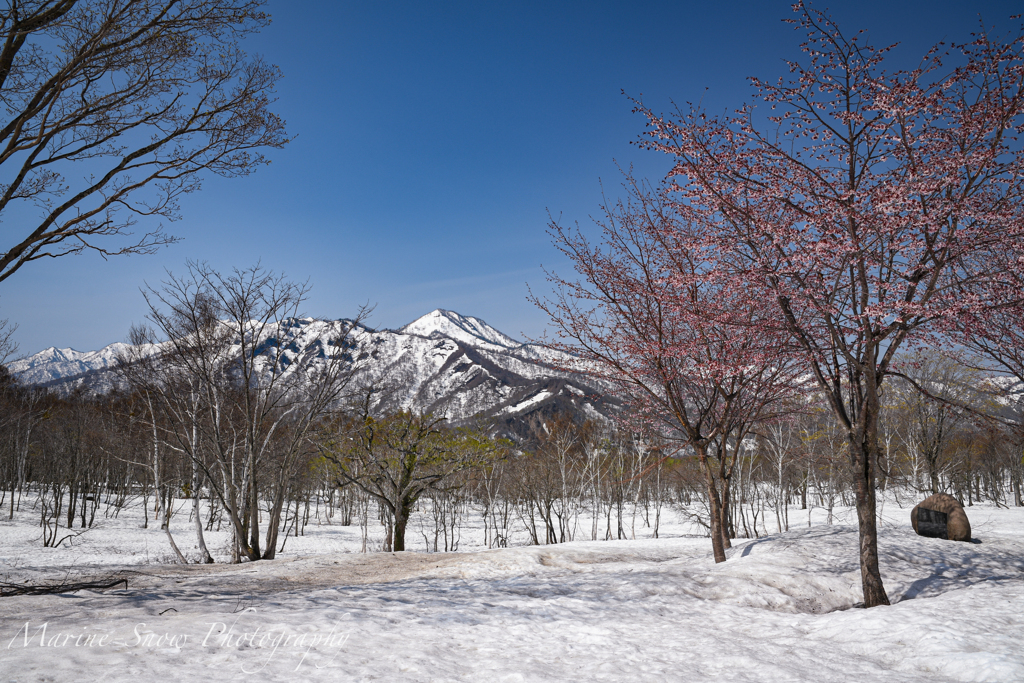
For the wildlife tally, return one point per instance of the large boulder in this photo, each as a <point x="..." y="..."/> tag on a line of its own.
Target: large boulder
<point x="952" y="517"/>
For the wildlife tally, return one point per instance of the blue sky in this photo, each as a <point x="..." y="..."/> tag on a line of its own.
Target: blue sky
<point x="432" y="139"/>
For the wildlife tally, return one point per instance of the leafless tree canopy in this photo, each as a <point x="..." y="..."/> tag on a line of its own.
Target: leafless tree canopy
<point x="8" y="347"/>
<point x="112" y="109"/>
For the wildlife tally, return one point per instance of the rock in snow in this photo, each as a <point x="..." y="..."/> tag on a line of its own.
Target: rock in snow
<point x="954" y="522"/>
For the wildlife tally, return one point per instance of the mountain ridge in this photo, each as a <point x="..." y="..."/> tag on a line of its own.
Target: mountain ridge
<point x="457" y="326"/>
<point x="442" y="362"/>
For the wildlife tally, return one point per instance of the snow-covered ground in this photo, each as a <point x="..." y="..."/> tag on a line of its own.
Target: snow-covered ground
<point x="637" y="610"/>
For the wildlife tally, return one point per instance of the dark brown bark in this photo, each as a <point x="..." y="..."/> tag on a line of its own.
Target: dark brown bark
<point x="725" y="476"/>
<point x="402" y="512"/>
<point x="864" y="459"/>
<point x="714" y="507"/>
<point x="253" y="551"/>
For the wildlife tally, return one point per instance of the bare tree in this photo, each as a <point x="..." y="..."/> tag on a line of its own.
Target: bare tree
<point x="236" y="384"/>
<point x="8" y="347"/>
<point x="113" y="109"/>
<point x="933" y="393"/>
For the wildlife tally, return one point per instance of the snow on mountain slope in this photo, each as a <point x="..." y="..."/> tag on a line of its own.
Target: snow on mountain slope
<point x="462" y="378"/>
<point x="56" y="364"/>
<point x="467" y="329"/>
<point x="444" y="363"/>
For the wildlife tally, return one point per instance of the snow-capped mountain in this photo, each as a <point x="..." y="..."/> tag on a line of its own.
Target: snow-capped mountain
<point x="443" y="362"/>
<point x="467" y="329"/>
<point x="54" y="365"/>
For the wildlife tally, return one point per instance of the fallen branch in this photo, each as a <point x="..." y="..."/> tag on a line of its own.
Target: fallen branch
<point x="8" y="589"/>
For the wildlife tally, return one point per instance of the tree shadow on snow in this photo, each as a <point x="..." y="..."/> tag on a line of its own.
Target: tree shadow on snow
<point x="939" y="583"/>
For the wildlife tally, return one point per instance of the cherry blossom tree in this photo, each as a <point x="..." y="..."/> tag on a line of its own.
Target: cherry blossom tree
<point x="648" y="316"/>
<point x="995" y="337"/>
<point x="861" y="209"/>
<point x="994" y="340"/>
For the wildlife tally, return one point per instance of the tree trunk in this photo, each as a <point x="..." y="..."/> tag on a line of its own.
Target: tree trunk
<point x="715" y="508"/>
<point x="254" y="512"/>
<point x="204" y="553"/>
<point x="725" y="526"/>
<point x="156" y="460"/>
<point x="274" y="522"/>
<point x="402" y="511"/>
<point x="168" y="508"/>
<point x="862" y="456"/>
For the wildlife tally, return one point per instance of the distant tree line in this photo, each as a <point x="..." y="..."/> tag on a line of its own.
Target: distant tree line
<point x="71" y="460"/>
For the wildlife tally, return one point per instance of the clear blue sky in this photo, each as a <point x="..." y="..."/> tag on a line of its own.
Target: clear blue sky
<point x="431" y="140"/>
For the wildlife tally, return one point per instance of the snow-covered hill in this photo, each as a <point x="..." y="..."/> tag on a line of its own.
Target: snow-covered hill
<point x="55" y="364"/>
<point x="443" y="362"/>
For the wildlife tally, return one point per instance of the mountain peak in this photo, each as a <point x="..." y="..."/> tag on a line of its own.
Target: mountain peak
<point x="459" y="327"/>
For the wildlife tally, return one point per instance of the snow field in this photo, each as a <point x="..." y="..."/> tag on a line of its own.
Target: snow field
<point x="637" y="610"/>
